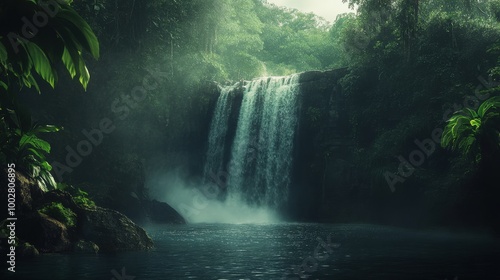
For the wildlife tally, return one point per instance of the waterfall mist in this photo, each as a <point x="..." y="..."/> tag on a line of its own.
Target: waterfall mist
<point x="198" y="202"/>
<point x="247" y="165"/>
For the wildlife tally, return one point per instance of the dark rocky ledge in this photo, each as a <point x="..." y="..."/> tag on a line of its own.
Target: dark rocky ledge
<point x="97" y="229"/>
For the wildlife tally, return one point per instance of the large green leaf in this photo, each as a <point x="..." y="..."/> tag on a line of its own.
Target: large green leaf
<point x="41" y="63"/>
<point x="68" y="62"/>
<point x="465" y="127"/>
<point x="488" y="104"/>
<point x="72" y="52"/>
<point x="46" y="166"/>
<point x="48" y="179"/>
<point x="456" y="126"/>
<point x="37" y="154"/>
<point x="81" y="30"/>
<point x="84" y="74"/>
<point x="471" y="112"/>
<point x="65" y="31"/>
<point x="37" y="143"/>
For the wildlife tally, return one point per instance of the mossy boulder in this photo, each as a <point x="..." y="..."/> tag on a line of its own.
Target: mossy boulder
<point x="83" y="246"/>
<point x="113" y="231"/>
<point x="47" y="234"/>
<point x="52" y="222"/>
<point x="26" y="250"/>
<point x="161" y="212"/>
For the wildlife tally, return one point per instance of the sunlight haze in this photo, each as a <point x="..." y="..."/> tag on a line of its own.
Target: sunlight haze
<point x="328" y="9"/>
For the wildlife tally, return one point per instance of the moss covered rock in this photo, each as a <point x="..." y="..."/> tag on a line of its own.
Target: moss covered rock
<point x="83" y="246"/>
<point x="113" y="231"/>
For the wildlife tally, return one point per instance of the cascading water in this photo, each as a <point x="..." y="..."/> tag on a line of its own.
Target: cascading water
<point x="217" y="136"/>
<point x="261" y="153"/>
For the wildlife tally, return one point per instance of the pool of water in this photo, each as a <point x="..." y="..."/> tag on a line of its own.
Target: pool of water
<point x="283" y="251"/>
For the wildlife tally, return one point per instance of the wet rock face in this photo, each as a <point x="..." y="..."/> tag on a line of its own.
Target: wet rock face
<point x="97" y="229"/>
<point x="86" y="247"/>
<point x="112" y="231"/>
<point x="45" y="233"/>
<point x="27" y="192"/>
<point x="161" y="212"/>
<point x="27" y="250"/>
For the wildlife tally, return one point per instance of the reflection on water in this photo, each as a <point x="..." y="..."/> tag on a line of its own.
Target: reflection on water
<point x="283" y="251"/>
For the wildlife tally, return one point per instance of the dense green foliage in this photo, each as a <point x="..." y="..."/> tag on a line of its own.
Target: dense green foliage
<point x="176" y="47"/>
<point x="475" y="132"/>
<point x="35" y="38"/>
<point x="20" y="144"/>
<point x="63" y="214"/>
<point x="31" y="45"/>
<point x="416" y="68"/>
<point x="411" y="65"/>
<point x="79" y="196"/>
<point x="217" y="39"/>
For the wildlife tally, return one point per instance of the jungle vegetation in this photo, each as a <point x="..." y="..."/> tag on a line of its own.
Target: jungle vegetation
<point x="412" y="66"/>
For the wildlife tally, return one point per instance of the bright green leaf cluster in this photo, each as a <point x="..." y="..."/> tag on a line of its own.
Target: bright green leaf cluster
<point x="79" y="196"/>
<point x="63" y="38"/>
<point x="57" y="211"/>
<point x="19" y="143"/>
<point x="466" y="127"/>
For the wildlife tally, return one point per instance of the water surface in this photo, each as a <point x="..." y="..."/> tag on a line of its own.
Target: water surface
<point x="284" y="251"/>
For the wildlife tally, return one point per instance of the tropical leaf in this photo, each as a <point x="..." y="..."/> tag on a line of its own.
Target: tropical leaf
<point x="41" y="63"/>
<point x="72" y="54"/>
<point x="35" y="142"/>
<point x="27" y="150"/>
<point x="471" y="113"/>
<point x="46" y="166"/>
<point x="42" y="184"/>
<point x="84" y="74"/>
<point x="488" y="104"/>
<point x="63" y="39"/>
<point x="37" y="154"/>
<point x="466" y="127"/>
<point x="48" y="180"/>
<point x="81" y="30"/>
<point x="68" y="62"/>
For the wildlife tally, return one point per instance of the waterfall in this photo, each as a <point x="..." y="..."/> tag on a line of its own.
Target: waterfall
<point x="261" y="151"/>
<point x="217" y="137"/>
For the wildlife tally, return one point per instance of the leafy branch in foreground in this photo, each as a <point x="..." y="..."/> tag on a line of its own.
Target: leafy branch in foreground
<point x="475" y="134"/>
<point x="79" y="196"/>
<point x="20" y="144"/>
<point x="36" y="36"/>
<point x="57" y="211"/>
<point x="61" y="38"/>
